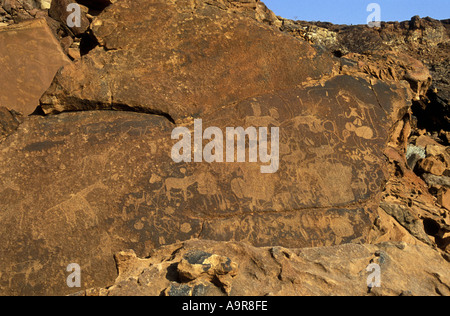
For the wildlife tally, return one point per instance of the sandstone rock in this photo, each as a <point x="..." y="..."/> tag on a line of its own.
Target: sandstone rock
<point x="21" y="10"/>
<point x="407" y="219"/>
<point x="45" y="4"/>
<point x="408" y="200"/>
<point x="212" y="268"/>
<point x="73" y="53"/>
<point x="30" y="56"/>
<point x="339" y="270"/>
<point x="114" y="186"/>
<point x="440" y="152"/>
<point x="198" y="263"/>
<point x="432" y="165"/>
<point x="395" y="66"/>
<point x="255" y="9"/>
<point x="414" y="154"/>
<point x="59" y="11"/>
<point x="424" y="141"/>
<point x="9" y="121"/>
<point x="96" y="4"/>
<point x="79" y="187"/>
<point x="444" y="198"/>
<point x="417" y="42"/>
<point x="161" y="64"/>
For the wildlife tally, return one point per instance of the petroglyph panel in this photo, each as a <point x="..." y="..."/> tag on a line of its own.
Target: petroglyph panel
<point x="78" y="187"/>
<point x="324" y="162"/>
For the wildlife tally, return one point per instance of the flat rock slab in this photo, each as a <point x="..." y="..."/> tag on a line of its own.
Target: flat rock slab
<point x="30" y="56"/>
<point x="77" y="187"/>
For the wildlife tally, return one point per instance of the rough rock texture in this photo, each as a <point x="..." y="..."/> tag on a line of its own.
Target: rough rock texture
<point x="118" y="173"/>
<point x="161" y="64"/>
<point x="58" y="11"/>
<point x="30" y="56"/>
<point x="363" y="155"/>
<point x="341" y="270"/>
<point x="9" y="122"/>
<point x="15" y="11"/>
<point x="425" y="40"/>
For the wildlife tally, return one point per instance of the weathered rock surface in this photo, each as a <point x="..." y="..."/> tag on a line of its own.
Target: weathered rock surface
<point x="59" y="11"/>
<point x="9" y="122"/>
<point x="377" y="50"/>
<point x="341" y="270"/>
<point x="15" y="11"/>
<point x="30" y="56"/>
<point x="413" y="51"/>
<point x="181" y="59"/>
<point x="114" y="186"/>
<point x="79" y="187"/>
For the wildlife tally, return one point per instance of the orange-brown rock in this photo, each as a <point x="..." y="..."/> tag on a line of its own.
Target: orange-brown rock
<point x="79" y="187"/>
<point x="432" y="165"/>
<point x="115" y="186"/>
<point x="444" y="198"/>
<point x="30" y="56"/>
<point x="182" y="60"/>
<point x="9" y="121"/>
<point x="339" y="270"/>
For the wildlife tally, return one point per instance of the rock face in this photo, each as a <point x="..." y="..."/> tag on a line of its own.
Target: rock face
<point x="161" y="64"/>
<point x="59" y="10"/>
<point x="341" y="270"/>
<point x="350" y="164"/>
<point x="9" y="122"/>
<point x="426" y="41"/>
<point x="30" y="56"/>
<point x="115" y="186"/>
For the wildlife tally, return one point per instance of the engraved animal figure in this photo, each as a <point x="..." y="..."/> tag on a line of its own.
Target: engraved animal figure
<point x="205" y="181"/>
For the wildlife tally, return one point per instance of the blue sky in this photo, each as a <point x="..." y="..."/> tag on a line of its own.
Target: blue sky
<point x="354" y="11"/>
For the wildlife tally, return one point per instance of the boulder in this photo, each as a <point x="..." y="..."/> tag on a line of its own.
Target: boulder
<point x="444" y="198"/>
<point x="79" y="187"/>
<point x="182" y="60"/>
<point x="432" y="165"/>
<point x="30" y="56"/>
<point x="115" y="186"/>
<point x="45" y="4"/>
